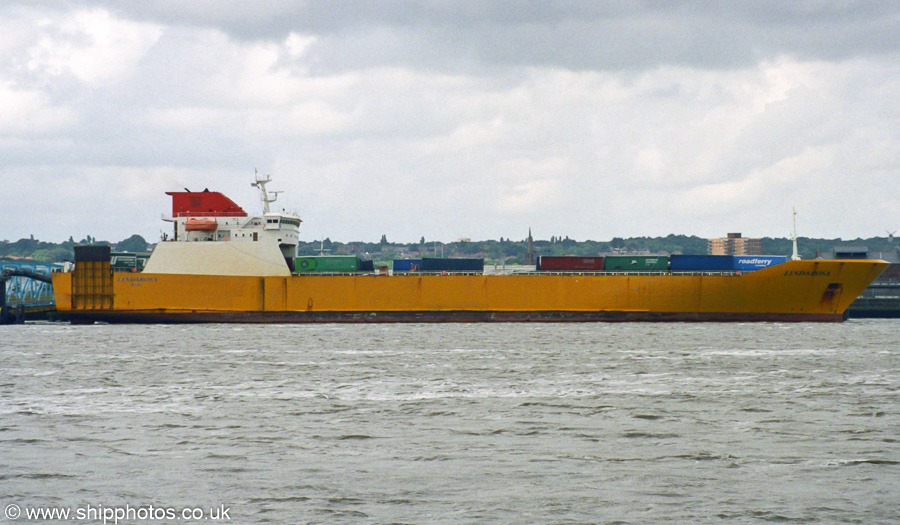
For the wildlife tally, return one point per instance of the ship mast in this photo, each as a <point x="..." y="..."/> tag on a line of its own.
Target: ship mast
<point x="264" y="195"/>
<point x="795" y="256"/>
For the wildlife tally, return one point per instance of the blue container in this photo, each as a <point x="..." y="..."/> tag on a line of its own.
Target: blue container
<point x="748" y="263"/>
<point x="430" y="264"/>
<point x="407" y="265"/>
<point x="701" y="263"/>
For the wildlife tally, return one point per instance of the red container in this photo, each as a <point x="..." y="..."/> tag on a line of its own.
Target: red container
<point x="568" y="263"/>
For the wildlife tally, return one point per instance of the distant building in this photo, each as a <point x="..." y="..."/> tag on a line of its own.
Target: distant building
<point x="860" y="252"/>
<point x="882" y="297"/>
<point x="734" y="244"/>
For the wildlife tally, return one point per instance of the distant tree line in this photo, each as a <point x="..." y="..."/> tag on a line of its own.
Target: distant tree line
<point x="506" y="251"/>
<point x="514" y="252"/>
<point x="48" y="252"/>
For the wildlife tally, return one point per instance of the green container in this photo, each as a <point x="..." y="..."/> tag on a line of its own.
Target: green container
<point x="326" y="264"/>
<point x="130" y="262"/>
<point x="636" y="263"/>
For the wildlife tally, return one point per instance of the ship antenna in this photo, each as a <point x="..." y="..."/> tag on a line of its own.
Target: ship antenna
<point x="795" y="256"/>
<point x="264" y="195"/>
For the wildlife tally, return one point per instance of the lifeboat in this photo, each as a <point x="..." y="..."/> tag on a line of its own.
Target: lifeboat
<point x="200" y="225"/>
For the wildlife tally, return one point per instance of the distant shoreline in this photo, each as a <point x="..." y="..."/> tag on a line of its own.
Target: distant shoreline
<point x="504" y="251"/>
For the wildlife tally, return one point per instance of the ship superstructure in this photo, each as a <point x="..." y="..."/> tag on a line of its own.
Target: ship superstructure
<point x="210" y="229"/>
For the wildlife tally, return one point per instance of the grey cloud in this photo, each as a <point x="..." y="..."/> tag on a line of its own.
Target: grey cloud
<point x="570" y="34"/>
<point x="579" y="100"/>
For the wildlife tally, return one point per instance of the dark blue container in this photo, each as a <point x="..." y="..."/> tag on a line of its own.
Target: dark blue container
<point x="366" y="265"/>
<point x="701" y="263"/>
<point x="452" y="265"/>
<point x="748" y="263"/>
<point x="407" y="265"/>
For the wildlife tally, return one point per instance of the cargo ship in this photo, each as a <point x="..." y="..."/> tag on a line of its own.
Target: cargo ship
<point x="224" y="265"/>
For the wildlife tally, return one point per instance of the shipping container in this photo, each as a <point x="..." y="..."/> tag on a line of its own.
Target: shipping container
<point x="123" y="262"/>
<point x="407" y="265"/>
<point x="326" y="264"/>
<point x="748" y="263"/>
<point x="434" y="264"/>
<point x="569" y="263"/>
<point x="701" y="263"/>
<point x="92" y="253"/>
<point x="128" y="262"/>
<point x="636" y="263"/>
<point x="366" y="265"/>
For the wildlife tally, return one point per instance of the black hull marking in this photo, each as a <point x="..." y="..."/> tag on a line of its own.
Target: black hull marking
<point x="168" y="317"/>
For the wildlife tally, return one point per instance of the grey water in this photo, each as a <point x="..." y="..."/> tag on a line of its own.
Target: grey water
<point x="456" y="423"/>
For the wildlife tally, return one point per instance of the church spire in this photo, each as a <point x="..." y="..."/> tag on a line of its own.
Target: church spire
<point x="529" y="256"/>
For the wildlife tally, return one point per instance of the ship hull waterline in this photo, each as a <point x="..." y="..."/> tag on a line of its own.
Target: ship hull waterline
<point x="796" y="291"/>
<point x="194" y="317"/>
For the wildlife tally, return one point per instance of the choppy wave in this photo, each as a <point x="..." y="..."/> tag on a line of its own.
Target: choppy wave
<point x="518" y="423"/>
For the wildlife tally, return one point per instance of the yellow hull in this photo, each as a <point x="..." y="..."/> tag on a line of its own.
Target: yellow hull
<point x="792" y="291"/>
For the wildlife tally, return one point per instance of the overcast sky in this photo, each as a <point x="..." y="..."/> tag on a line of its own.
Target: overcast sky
<point x="444" y="120"/>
